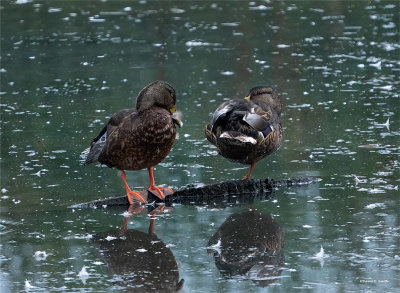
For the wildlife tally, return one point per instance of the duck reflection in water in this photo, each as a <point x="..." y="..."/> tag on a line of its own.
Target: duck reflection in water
<point x="249" y="244"/>
<point x="140" y="260"/>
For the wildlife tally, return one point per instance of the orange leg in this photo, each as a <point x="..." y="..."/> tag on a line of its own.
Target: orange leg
<point x="153" y="187"/>
<point x="153" y="214"/>
<point x="251" y="169"/>
<point x="130" y="193"/>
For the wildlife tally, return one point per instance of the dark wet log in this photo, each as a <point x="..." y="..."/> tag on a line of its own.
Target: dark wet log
<point x="232" y="191"/>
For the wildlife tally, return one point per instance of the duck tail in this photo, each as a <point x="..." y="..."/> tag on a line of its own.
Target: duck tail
<point x="91" y="154"/>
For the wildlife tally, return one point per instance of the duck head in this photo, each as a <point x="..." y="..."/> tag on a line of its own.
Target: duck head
<point x="158" y="93"/>
<point x="265" y="95"/>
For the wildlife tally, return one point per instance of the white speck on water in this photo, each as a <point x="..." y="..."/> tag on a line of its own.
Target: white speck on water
<point x="227" y="73"/>
<point x="375" y="205"/>
<point x="141" y="250"/>
<point x="232" y="24"/>
<point x="216" y="247"/>
<point x="59" y="151"/>
<point x="126" y="214"/>
<point x="28" y="286"/>
<point x="358" y="180"/>
<point x="389" y="47"/>
<point x="299" y="106"/>
<point x="260" y="7"/>
<point x="282" y="46"/>
<point x="200" y="43"/>
<point x="387" y="87"/>
<point x="307" y="226"/>
<point x="16" y="201"/>
<point x="54" y="10"/>
<point x="377" y="65"/>
<point x="83" y="275"/>
<point x="39" y="173"/>
<point x="389" y="25"/>
<point x="3" y="190"/>
<point x="95" y="19"/>
<point x="260" y="61"/>
<point x="83" y="272"/>
<point x="320" y="254"/>
<point x="40" y="255"/>
<point x="22" y="2"/>
<point x="177" y="10"/>
<point x="110" y="238"/>
<point x="386" y="124"/>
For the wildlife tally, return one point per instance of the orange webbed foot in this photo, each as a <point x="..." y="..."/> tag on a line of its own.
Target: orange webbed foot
<point x="160" y="192"/>
<point x="133" y="195"/>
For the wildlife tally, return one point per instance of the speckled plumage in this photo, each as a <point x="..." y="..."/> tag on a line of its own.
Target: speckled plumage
<point x="247" y="130"/>
<point x="139" y="138"/>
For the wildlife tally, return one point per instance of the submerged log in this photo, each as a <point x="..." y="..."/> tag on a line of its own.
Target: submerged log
<point x="232" y="191"/>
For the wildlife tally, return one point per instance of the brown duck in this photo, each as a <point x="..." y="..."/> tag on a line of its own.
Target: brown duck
<point x="135" y="139"/>
<point x="247" y="130"/>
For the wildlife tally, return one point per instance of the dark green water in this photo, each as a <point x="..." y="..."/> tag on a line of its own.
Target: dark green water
<point x="68" y="65"/>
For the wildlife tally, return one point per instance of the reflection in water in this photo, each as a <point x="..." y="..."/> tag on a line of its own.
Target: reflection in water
<point x="141" y="260"/>
<point x="249" y="244"/>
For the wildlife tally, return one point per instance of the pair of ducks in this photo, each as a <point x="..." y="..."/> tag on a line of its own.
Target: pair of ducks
<point x="243" y="130"/>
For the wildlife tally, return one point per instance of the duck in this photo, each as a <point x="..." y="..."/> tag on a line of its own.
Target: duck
<point x="139" y="138"/>
<point x="247" y="130"/>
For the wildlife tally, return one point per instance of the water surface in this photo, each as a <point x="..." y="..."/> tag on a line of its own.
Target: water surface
<point x="67" y="66"/>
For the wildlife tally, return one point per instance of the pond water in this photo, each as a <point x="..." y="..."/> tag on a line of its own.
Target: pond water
<point x="66" y="66"/>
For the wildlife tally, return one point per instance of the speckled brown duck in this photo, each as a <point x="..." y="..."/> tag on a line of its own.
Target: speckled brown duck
<point x="139" y="138"/>
<point x="247" y="130"/>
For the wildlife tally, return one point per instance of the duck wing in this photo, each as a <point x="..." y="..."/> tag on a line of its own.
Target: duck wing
<point x="238" y="117"/>
<point x="219" y="115"/>
<point x="96" y="146"/>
